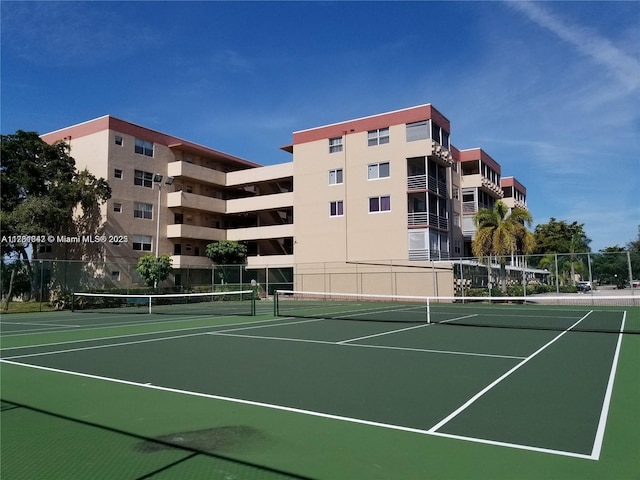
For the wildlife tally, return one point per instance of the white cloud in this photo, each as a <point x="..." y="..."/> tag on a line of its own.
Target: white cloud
<point x="623" y="66"/>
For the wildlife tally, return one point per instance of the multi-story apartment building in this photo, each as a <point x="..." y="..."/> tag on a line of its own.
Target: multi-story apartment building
<point x="374" y="188"/>
<point x="173" y="196"/>
<point x="385" y="189"/>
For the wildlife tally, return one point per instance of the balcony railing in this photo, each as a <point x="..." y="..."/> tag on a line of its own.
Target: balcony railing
<point x="421" y="182"/>
<point x="426" y="218"/>
<point x="426" y="255"/>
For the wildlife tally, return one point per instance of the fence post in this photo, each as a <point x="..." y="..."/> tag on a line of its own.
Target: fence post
<point x="630" y="272"/>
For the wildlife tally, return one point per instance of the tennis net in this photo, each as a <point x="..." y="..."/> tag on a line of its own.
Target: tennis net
<point x="591" y="313"/>
<point x="218" y="303"/>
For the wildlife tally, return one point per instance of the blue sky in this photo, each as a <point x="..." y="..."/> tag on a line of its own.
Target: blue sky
<point x="551" y="90"/>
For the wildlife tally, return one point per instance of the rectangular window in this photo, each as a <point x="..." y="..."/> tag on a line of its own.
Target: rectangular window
<point x="380" y="204"/>
<point x="143" y="179"/>
<point x="115" y="276"/>
<point x="378" y="137"/>
<point x="142" y="243"/>
<point x="117" y="207"/>
<point x="378" y="170"/>
<point x="144" y="148"/>
<point x="118" y="140"/>
<point x="335" y="144"/>
<point x="143" y="210"/>
<point x="117" y="173"/>
<point x="336" y="209"/>
<point x="417" y="131"/>
<point x="335" y="176"/>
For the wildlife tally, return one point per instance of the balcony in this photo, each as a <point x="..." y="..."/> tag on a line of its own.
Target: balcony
<point x="190" y="261"/>
<point x="422" y="219"/>
<point x="422" y="182"/>
<point x="194" y="232"/>
<point x="196" y="202"/>
<point x="259" y="233"/>
<point x="263" y="202"/>
<point x="195" y="172"/>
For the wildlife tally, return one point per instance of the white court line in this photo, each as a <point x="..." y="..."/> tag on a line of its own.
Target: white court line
<point x="39" y="324"/>
<point x="381" y="347"/>
<point x="384" y="333"/>
<point x="469" y="402"/>
<point x="295" y="410"/>
<point x="597" y="444"/>
<point x="159" y="332"/>
<point x="95" y="347"/>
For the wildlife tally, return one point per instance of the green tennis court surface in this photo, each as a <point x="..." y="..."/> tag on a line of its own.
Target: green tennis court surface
<point x="118" y="395"/>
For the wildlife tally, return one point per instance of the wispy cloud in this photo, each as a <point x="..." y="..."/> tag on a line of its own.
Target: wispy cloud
<point x="70" y="34"/>
<point x="625" y="67"/>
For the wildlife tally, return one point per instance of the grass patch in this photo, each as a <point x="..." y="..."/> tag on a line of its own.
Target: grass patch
<point x="28" y="307"/>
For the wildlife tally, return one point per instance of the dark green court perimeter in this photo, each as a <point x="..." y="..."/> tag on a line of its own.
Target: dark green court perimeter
<point x="58" y="425"/>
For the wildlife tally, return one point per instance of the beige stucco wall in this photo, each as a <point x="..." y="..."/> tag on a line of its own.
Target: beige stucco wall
<point x="358" y="235"/>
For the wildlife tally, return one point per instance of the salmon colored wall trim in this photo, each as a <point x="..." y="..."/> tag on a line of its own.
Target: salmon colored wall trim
<point x="79" y="130"/>
<point x="479" y="154"/>
<point x="121" y="126"/>
<point x="513" y="182"/>
<point x="416" y="114"/>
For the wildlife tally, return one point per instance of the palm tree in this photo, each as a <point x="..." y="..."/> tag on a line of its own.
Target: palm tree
<point x="501" y="232"/>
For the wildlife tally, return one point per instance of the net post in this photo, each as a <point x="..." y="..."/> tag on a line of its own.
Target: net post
<point x="254" y="298"/>
<point x="73" y="300"/>
<point x="150" y="303"/>
<point x="275" y="303"/>
<point x="428" y="310"/>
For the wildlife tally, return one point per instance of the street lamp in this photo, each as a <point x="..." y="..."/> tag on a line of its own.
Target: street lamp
<point x="157" y="179"/>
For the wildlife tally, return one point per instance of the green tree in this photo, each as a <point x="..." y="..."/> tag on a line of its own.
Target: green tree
<point x="226" y="252"/>
<point x="560" y="237"/>
<point x="154" y="270"/>
<point x="42" y="193"/>
<point x="502" y="233"/>
<point x="610" y="266"/>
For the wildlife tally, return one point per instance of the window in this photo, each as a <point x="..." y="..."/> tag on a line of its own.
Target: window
<point x="379" y="204"/>
<point x="143" y="179"/>
<point x="335" y="176"/>
<point x="144" y="148"/>
<point x="378" y="170"/>
<point x="115" y="275"/>
<point x="143" y="210"/>
<point x="336" y="209"/>
<point x="118" y="140"/>
<point x="117" y="207"/>
<point x="117" y="173"/>
<point x="417" y="131"/>
<point x="142" y="243"/>
<point x="44" y="248"/>
<point x="378" y="137"/>
<point x="335" y="144"/>
<point x="457" y="246"/>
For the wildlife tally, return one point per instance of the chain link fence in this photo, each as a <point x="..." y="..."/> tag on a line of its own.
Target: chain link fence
<point x="49" y="282"/>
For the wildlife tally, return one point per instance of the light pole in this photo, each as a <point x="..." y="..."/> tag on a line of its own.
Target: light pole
<point x="157" y="179"/>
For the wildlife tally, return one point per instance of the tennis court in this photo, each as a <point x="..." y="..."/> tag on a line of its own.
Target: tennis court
<point x="304" y="388"/>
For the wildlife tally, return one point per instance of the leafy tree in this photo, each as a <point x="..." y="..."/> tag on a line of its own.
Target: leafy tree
<point x="42" y="193"/>
<point x="154" y="270"/>
<point x="610" y="266"/>
<point x="560" y="237"/>
<point x="226" y="252"/>
<point x="502" y="233"/>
